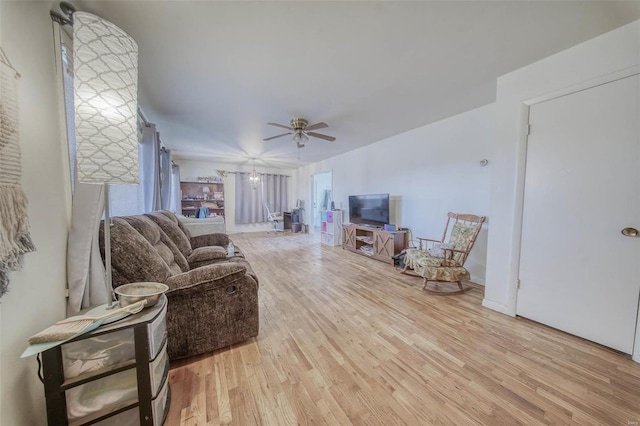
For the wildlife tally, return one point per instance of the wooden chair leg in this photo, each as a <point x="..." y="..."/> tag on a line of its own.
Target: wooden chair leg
<point x="460" y="285"/>
<point x="424" y="286"/>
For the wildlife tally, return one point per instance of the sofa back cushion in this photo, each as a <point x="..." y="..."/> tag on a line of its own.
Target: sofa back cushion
<point x="172" y="217"/>
<point x="161" y="243"/>
<point x="173" y="231"/>
<point x="133" y="258"/>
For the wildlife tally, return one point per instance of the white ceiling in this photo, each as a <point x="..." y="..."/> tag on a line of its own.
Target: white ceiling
<point x="212" y="74"/>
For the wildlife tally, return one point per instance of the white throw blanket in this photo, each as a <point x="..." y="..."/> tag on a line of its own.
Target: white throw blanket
<point x="14" y="224"/>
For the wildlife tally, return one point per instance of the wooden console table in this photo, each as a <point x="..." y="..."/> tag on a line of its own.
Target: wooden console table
<point x="373" y="242"/>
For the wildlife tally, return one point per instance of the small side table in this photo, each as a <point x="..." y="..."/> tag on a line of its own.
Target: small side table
<point x="116" y="374"/>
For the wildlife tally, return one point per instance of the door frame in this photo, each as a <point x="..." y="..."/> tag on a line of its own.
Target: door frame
<point x="313" y="215"/>
<point x="521" y="162"/>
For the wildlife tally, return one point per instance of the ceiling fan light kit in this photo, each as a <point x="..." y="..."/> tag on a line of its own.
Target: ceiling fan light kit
<point x="300" y="138"/>
<point x="301" y="131"/>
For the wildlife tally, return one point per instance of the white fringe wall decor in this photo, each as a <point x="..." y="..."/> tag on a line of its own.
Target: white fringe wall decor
<point x="14" y="224"/>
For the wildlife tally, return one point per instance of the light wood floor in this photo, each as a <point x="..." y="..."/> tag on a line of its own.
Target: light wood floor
<point x="348" y="340"/>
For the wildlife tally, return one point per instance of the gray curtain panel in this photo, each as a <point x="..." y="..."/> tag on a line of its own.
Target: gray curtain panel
<point x="150" y="167"/>
<point x="165" y="179"/>
<point x="250" y="202"/>
<point x="274" y="193"/>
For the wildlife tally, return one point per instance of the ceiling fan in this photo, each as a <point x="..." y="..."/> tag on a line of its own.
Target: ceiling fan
<point x="301" y="131"/>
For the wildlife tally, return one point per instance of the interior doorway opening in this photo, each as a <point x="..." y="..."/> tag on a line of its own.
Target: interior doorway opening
<point x="321" y="197"/>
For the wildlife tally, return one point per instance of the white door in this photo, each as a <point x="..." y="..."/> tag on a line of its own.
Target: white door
<point x="578" y="273"/>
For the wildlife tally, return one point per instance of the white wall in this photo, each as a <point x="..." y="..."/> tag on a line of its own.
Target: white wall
<point x="36" y="294"/>
<point x="190" y="170"/>
<point x="427" y="171"/>
<point x="603" y="55"/>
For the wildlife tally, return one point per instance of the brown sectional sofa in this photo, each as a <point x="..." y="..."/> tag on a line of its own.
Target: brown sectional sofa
<point x="213" y="298"/>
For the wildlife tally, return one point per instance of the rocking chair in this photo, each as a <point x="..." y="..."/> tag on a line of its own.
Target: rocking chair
<point x="443" y="262"/>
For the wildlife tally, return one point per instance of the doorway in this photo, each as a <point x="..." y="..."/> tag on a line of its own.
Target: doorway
<point x="321" y="197"/>
<point x="578" y="271"/>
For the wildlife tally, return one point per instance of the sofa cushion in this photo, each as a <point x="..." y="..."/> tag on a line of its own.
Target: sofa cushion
<point x="173" y="231"/>
<point x="133" y="258"/>
<point x="160" y="241"/>
<point x="172" y="216"/>
<point x="207" y="254"/>
<point x="221" y="240"/>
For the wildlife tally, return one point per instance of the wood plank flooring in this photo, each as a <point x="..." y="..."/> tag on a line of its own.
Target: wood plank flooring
<point x="348" y="340"/>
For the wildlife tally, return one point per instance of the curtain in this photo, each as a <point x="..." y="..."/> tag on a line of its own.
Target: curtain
<point x="176" y="196"/>
<point x="85" y="270"/>
<point x="150" y="169"/>
<point x="249" y="208"/>
<point x="274" y="192"/>
<point x="250" y="203"/>
<point x="165" y="179"/>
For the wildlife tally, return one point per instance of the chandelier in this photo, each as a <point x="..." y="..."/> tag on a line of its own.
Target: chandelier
<point x="254" y="177"/>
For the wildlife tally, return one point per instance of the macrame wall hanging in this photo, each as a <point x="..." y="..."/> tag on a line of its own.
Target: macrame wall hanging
<point x="14" y="224"/>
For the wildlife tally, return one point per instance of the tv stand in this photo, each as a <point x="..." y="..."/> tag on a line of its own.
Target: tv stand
<point x="371" y="241"/>
<point x="366" y="225"/>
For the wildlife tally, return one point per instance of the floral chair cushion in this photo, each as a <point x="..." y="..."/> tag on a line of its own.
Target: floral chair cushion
<point x="431" y="270"/>
<point x="429" y="263"/>
<point x="412" y="256"/>
<point x="462" y="235"/>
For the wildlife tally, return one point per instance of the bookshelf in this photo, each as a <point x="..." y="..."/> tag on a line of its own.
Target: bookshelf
<point x="194" y="196"/>
<point x="331" y="227"/>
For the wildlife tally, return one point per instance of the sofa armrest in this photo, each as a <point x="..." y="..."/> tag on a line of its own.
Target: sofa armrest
<point x="209" y="240"/>
<point x="205" y="278"/>
<point x="210" y="308"/>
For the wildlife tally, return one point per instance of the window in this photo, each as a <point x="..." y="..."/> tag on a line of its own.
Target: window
<point x="252" y="204"/>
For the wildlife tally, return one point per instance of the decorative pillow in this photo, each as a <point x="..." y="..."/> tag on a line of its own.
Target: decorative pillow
<point x="204" y="254"/>
<point x="438" y="249"/>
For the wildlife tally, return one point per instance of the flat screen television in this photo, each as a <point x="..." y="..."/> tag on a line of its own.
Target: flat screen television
<point x="370" y="209"/>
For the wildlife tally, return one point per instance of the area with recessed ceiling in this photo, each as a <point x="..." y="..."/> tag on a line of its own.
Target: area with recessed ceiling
<point x="319" y="212"/>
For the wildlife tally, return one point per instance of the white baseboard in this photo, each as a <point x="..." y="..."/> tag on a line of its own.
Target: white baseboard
<point x="477" y="280"/>
<point x="503" y="309"/>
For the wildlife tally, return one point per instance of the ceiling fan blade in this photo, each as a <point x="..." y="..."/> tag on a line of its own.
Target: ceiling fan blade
<point x="325" y="137"/>
<point x="280" y="125"/>
<point x="278" y="136"/>
<point x="317" y="126"/>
